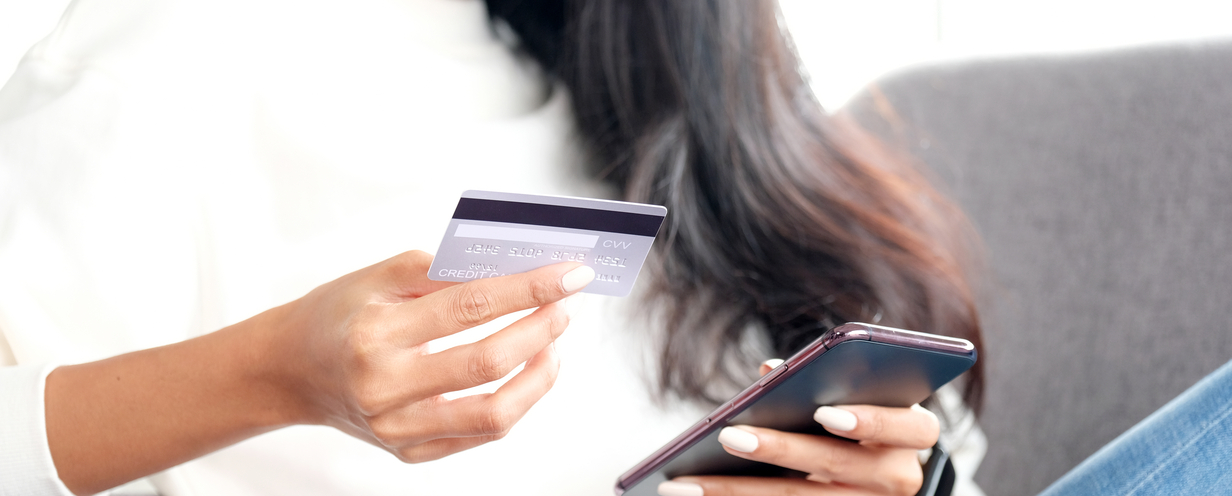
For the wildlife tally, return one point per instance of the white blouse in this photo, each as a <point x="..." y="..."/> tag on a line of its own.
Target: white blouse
<point x="170" y="167"/>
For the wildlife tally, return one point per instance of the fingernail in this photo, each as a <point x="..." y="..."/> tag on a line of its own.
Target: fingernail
<point x="738" y="439"/>
<point x="921" y="409"/>
<point x="835" y="419"/>
<point x="577" y="278"/>
<point x="673" y="488"/>
<point x="773" y="363"/>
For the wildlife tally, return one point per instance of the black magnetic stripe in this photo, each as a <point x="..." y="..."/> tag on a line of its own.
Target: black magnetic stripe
<point x="558" y="216"/>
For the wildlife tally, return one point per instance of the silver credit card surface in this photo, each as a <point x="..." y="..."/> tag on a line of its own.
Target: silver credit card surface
<point x="494" y="234"/>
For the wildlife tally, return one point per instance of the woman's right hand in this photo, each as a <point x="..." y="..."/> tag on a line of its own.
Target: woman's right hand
<point x="350" y="354"/>
<point x="354" y="353"/>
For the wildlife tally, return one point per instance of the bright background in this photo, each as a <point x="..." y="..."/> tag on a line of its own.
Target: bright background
<point x="845" y="44"/>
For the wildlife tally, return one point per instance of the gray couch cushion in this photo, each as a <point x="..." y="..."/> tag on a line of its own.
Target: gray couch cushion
<point x="1102" y="186"/>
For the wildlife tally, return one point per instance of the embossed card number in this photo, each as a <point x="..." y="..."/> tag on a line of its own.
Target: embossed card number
<point x="494" y="234"/>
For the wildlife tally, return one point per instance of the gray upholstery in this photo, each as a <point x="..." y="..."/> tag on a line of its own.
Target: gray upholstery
<point x="1102" y="186"/>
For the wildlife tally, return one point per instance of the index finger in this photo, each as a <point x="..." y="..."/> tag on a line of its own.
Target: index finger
<point x="915" y="427"/>
<point x="480" y="301"/>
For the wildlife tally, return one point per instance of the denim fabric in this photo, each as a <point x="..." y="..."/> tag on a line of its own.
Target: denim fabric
<point x="1184" y="448"/>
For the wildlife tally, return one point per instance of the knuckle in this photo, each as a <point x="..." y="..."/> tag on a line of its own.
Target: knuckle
<point x="411" y="455"/>
<point x="496" y="420"/>
<point x="832" y="461"/>
<point x="472" y="307"/>
<point x="907" y="482"/>
<point x="875" y="425"/>
<point x="365" y="351"/>
<point x="557" y="321"/>
<point x="543" y="292"/>
<point x="551" y="324"/>
<point x="365" y="368"/>
<point x="387" y="432"/>
<point x="371" y="400"/>
<point x="488" y="364"/>
<point x="365" y="339"/>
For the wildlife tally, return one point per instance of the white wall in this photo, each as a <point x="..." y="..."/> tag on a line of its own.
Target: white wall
<point x="846" y="43"/>
<point x="22" y="24"/>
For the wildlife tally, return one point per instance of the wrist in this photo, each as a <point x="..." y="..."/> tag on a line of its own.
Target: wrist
<point x="117" y="419"/>
<point x="267" y="372"/>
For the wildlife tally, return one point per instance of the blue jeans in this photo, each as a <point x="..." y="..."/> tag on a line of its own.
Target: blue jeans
<point x="1184" y="448"/>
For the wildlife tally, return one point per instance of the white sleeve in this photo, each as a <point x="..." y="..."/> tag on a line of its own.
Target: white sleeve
<point x="26" y="468"/>
<point x="962" y="436"/>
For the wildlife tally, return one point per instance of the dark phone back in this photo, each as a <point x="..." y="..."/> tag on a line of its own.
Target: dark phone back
<point x="863" y="364"/>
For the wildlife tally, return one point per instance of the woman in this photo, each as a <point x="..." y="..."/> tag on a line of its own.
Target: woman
<point x="176" y="168"/>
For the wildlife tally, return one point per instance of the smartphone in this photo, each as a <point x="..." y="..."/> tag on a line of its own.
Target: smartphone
<point x="852" y="364"/>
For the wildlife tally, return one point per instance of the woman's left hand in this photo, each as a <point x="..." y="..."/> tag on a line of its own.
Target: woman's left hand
<point x="885" y="461"/>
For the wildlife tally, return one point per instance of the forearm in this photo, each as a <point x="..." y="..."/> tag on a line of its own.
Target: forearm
<point x="119" y="419"/>
<point x="351" y="354"/>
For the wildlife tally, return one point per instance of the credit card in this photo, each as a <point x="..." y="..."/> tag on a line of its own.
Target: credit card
<point x="494" y="234"/>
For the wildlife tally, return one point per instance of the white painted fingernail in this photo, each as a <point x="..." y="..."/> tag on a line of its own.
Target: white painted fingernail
<point x="738" y="439"/>
<point x="577" y="278"/>
<point x="835" y="419"/>
<point x="673" y="488"/>
<point x="925" y="411"/>
<point x="773" y="363"/>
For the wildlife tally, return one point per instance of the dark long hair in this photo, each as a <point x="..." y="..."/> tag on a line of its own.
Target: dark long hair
<point x="783" y="220"/>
